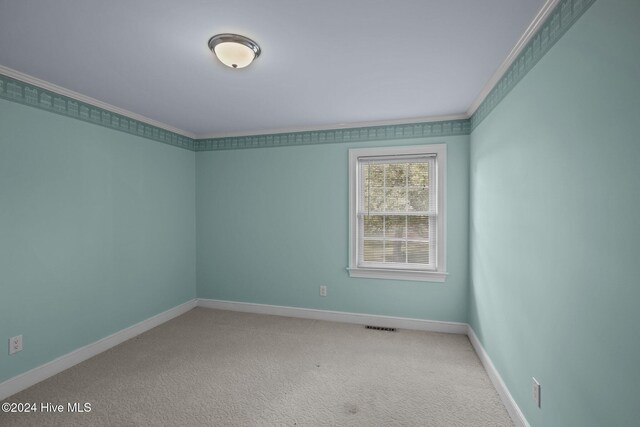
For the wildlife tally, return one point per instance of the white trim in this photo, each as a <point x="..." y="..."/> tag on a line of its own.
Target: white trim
<point x="42" y="372"/>
<point x="337" y="316"/>
<point x="535" y="25"/>
<point x="372" y="123"/>
<point x="385" y="321"/>
<point x="49" y="369"/>
<point x="18" y="75"/>
<point x="439" y="275"/>
<point x="507" y="400"/>
<point x="80" y="97"/>
<point x="398" y="274"/>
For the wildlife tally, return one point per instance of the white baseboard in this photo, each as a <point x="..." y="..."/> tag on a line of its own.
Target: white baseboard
<point x="42" y="372"/>
<point x="507" y="400"/>
<point x="387" y="321"/>
<point x="337" y="316"/>
<point x="49" y="369"/>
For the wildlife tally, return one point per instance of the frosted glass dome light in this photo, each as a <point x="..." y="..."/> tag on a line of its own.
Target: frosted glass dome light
<point x="234" y="50"/>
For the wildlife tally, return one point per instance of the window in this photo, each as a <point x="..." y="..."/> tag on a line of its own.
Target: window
<point x="396" y="212"/>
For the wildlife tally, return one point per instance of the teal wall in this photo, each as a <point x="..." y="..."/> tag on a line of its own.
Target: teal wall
<point x="98" y="229"/>
<point x="555" y="196"/>
<point x="273" y="226"/>
<point x="97" y="232"/>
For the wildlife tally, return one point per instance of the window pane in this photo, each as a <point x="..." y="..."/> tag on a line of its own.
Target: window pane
<point x="396" y="199"/>
<point x="373" y="200"/>
<point x="373" y="251"/>
<point x="396" y="227"/>
<point x="418" y="199"/>
<point x="373" y="175"/>
<point x="395" y="252"/>
<point x="418" y="174"/>
<point x="373" y="226"/>
<point x="418" y="227"/>
<point x="396" y="175"/>
<point x="417" y="253"/>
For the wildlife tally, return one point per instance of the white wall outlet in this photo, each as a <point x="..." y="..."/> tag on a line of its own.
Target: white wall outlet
<point x="535" y="391"/>
<point x="323" y="291"/>
<point x="15" y="344"/>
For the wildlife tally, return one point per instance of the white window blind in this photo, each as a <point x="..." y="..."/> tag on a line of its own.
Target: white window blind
<point x="397" y="212"/>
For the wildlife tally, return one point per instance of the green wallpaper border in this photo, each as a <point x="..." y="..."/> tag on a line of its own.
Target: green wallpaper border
<point x="563" y="16"/>
<point x="336" y="136"/>
<point x="34" y="96"/>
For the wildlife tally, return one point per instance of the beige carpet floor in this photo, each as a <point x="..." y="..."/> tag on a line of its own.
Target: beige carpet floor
<point x="221" y="368"/>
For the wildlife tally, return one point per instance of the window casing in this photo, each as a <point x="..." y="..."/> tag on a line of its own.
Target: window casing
<point x="397" y="212"/>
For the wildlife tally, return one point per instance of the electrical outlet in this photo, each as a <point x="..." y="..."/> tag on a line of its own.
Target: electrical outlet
<point x="323" y="291"/>
<point x="15" y="344"/>
<point x="535" y="391"/>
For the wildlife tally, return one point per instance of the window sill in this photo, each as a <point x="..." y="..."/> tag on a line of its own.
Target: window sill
<point x="380" y="273"/>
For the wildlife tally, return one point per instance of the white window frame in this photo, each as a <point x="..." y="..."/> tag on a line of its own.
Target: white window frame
<point x="439" y="272"/>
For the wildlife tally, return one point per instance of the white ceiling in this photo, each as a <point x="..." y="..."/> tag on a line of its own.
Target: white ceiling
<point x="323" y="63"/>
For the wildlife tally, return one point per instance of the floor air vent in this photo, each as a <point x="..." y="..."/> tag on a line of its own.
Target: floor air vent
<point x="380" y="328"/>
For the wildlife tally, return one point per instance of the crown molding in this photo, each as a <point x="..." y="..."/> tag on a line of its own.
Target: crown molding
<point x="548" y="26"/>
<point x="42" y="84"/>
<point x="553" y="21"/>
<point x="25" y="89"/>
<point x="17" y="91"/>
<point x="351" y="125"/>
<point x="535" y="25"/>
<point x="334" y="136"/>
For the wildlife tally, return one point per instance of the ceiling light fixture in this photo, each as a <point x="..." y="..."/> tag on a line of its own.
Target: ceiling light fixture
<point x="234" y="50"/>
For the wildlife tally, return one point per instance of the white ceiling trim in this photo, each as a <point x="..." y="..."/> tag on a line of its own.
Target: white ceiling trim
<point x="26" y="78"/>
<point x="533" y="28"/>
<point x="353" y="125"/>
